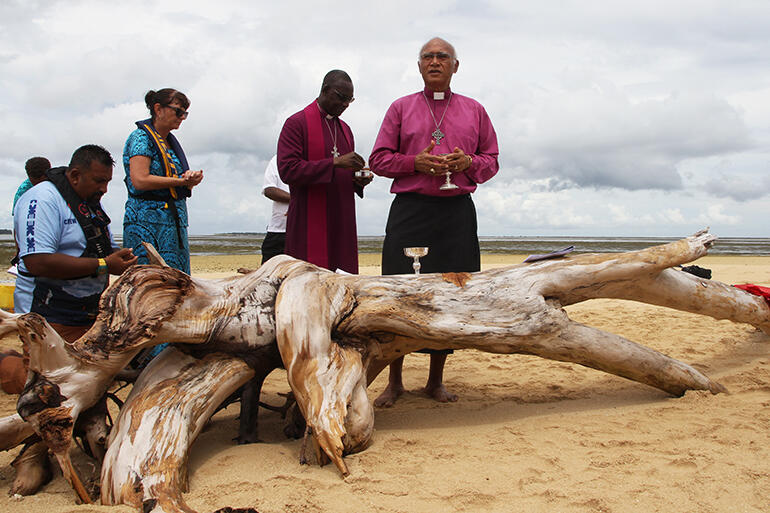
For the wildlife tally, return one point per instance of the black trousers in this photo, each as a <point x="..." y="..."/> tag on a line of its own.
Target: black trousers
<point x="445" y="225"/>
<point x="272" y="245"/>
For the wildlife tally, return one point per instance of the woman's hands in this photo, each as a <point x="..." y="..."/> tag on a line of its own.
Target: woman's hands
<point x="192" y="178"/>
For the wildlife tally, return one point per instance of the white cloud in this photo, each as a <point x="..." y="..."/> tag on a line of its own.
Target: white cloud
<point x="673" y="215"/>
<point x="715" y="214"/>
<point x="611" y="118"/>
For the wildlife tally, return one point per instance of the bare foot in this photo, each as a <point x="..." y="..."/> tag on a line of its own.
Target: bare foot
<point x="388" y="397"/>
<point x="33" y="469"/>
<point x="440" y="394"/>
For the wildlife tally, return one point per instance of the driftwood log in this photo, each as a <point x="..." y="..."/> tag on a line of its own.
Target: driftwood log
<point x="335" y="333"/>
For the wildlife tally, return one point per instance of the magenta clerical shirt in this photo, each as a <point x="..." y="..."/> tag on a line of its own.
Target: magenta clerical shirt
<point x="406" y="131"/>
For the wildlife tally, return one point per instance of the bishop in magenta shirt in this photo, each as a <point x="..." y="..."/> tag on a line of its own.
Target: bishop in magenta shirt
<point x="406" y="131"/>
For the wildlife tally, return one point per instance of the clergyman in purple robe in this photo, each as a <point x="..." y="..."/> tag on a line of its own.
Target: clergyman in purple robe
<point x="316" y="158"/>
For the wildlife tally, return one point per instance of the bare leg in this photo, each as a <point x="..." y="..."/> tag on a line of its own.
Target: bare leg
<point x="395" y="386"/>
<point x="435" y="386"/>
<point x="33" y="470"/>
<point x="247" y="427"/>
<point x="13" y="374"/>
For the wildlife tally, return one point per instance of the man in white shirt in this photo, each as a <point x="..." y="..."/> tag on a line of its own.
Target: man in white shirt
<point x="273" y="244"/>
<point x="277" y="191"/>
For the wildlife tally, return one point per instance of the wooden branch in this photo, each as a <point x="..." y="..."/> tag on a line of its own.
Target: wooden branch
<point x="512" y="310"/>
<point x="7" y="322"/>
<point x="14" y="431"/>
<point x="335" y="332"/>
<point x="146" y="463"/>
<point x="146" y="306"/>
<point x="326" y="378"/>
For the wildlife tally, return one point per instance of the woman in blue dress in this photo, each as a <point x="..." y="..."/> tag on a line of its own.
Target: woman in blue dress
<point x="159" y="181"/>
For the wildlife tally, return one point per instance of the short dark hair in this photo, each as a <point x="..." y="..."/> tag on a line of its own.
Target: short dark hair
<point x="84" y="155"/>
<point x="36" y="167"/>
<point x="165" y="97"/>
<point x="334" y="76"/>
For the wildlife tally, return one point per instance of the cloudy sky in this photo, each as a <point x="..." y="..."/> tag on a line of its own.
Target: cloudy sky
<point x="613" y="118"/>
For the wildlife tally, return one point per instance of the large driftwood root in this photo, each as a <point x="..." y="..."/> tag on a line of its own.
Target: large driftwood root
<point x="7" y="322"/>
<point x="166" y="410"/>
<point x="14" y="431"/>
<point x="146" y="306"/>
<point x="356" y="325"/>
<point x="335" y="333"/>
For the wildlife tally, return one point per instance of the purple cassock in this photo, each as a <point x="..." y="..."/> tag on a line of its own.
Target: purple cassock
<point x="406" y="131"/>
<point x="321" y="222"/>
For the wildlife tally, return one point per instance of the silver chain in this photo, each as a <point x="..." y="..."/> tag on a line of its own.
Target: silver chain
<point x="335" y="153"/>
<point x="438" y="125"/>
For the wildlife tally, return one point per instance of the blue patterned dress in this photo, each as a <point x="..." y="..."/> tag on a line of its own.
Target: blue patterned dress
<point x="149" y="220"/>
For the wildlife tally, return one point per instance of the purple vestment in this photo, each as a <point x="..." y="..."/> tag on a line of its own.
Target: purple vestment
<point x="321" y="222"/>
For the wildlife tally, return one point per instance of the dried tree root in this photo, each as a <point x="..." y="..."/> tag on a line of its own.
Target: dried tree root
<point x="335" y="333"/>
<point x="166" y="410"/>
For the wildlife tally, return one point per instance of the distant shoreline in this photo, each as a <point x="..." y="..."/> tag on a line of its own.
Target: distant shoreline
<point x="243" y="243"/>
<point x="249" y="243"/>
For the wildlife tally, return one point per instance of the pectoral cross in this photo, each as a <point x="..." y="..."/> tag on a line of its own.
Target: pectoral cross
<point x="437" y="136"/>
<point x="335" y="153"/>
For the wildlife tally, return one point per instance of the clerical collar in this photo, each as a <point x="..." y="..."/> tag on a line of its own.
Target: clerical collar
<point x="323" y="112"/>
<point x="438" y="95"/>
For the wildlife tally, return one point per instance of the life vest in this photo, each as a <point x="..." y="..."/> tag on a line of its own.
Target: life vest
<point x="49" y="299"/>
<point x="93" y="220"/>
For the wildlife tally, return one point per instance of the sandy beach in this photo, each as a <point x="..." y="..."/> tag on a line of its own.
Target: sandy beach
<point x="527" y="434"/>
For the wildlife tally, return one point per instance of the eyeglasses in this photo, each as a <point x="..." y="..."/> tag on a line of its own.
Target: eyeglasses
<point x="180" y="113"/>
<point x="440" y="56"/>
<point x="342" y="97"/>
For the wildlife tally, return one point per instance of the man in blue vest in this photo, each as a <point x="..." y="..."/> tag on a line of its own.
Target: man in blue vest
<point x="65" y="242"/>
<point x="66" y="246"/>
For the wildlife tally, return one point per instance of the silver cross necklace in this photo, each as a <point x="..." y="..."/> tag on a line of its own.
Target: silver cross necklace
<point x="335" y="153"/>
<point x="437" y="133"/>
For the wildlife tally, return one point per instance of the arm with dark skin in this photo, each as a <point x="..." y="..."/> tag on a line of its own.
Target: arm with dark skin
<point x="355" y="163"/>
<point x="362" y="181"/>
<point x="64" y="267"/>
<point x="292" y="166"/>
<point x="276" y="194"/>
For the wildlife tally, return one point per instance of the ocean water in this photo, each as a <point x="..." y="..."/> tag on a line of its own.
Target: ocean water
<point x="249" y="243"/>
<point x="242" y="243"/>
